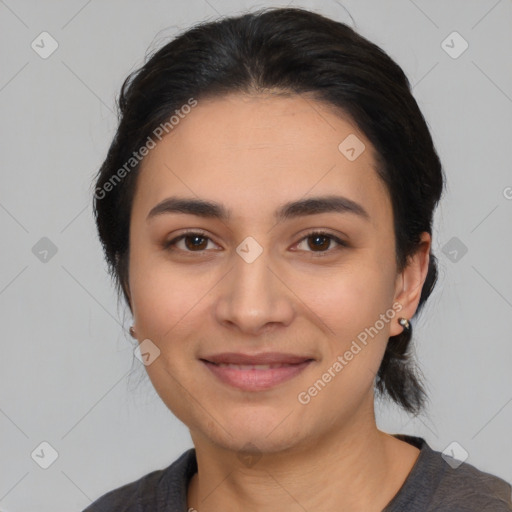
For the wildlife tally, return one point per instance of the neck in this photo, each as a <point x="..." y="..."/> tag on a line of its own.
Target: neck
<point x="353" y="468"/>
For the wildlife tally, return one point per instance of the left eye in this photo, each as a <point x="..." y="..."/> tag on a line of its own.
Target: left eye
<point x="319" y="241"/>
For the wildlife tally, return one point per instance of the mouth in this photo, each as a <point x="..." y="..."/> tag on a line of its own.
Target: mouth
<point x="255" y="372"/>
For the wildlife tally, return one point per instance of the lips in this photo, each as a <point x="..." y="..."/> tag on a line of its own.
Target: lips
<point x="264" y="358"/>
<point x="257" y="372"/>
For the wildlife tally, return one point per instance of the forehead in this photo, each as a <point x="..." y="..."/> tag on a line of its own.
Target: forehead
<point x="254" y="150"/>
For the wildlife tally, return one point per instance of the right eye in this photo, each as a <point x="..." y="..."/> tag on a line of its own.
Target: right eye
<point x="193" y="241"/>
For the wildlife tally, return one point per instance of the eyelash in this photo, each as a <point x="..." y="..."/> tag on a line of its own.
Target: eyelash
<point x="169" y="245"/>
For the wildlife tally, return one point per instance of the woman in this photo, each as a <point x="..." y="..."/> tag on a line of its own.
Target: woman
<point x="266" y="211"/>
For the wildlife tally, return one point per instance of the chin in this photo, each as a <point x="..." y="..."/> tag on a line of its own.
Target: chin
<point x="257" y="442"/>
<point x="254" y="429"/>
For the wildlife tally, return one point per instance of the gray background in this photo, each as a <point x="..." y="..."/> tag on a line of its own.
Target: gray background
<point x="68" y="376"/>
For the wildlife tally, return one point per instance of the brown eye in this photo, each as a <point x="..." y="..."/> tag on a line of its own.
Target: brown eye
<point x="188" y="242"/>
<point x="320" y="242"/>
<point x="194" y="242"/>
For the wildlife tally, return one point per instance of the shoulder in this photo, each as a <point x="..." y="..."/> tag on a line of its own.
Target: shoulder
<point x="438" y="483"/>
<point x="466" y="488"/>
<point x="163" y="490"/>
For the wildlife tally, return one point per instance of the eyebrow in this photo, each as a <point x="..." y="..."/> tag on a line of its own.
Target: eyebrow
<point x="294" y="209"/>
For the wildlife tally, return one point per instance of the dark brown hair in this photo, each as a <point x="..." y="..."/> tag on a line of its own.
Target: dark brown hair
<point x="297" y="51"/>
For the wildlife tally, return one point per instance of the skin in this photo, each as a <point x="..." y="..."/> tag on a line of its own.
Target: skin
<point x="253" y="153"/>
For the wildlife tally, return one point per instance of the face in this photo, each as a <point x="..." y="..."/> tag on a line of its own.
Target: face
<point x="268" y="271"/>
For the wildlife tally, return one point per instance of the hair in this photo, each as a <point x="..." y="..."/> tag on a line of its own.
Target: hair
<point x="294" y="51"/>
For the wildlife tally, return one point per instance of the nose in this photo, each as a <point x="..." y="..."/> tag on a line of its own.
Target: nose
<point x="254" y="297"/>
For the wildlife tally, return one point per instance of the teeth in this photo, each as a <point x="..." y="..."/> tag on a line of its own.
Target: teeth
<point x="251" y="366"/>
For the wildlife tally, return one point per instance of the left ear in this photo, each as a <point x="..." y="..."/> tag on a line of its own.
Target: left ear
<point x="409" y="282"/>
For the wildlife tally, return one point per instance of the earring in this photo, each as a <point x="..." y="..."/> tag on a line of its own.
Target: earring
<point x="132" y="331"/>
<point x="404" y="323"/>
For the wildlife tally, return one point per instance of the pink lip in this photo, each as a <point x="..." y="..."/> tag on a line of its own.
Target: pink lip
<point x="261" y="358"/>
<point x="253" y="379"/>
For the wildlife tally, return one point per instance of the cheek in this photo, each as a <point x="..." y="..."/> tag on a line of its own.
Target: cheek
<point x="348" y="304"/>
<point x="348" y="298"/>
<point x="162" y="294"/>
<point x="353" y="347"/>
<point x="166" y="303"/>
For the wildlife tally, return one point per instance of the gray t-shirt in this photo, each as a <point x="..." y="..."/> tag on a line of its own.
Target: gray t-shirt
<point x="432" y="485"/>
